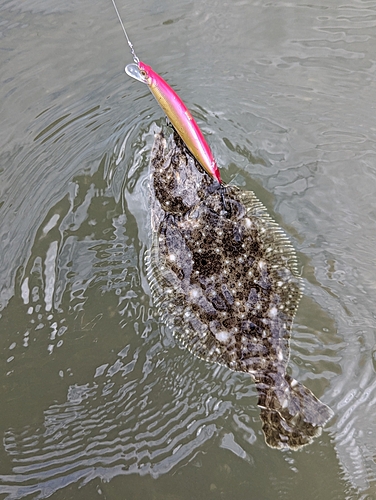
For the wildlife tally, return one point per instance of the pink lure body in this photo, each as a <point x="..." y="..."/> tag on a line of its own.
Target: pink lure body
<point x="181" y="119"/>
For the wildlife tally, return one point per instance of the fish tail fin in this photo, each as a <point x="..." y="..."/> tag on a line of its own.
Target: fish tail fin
<point x="291" y="415"/>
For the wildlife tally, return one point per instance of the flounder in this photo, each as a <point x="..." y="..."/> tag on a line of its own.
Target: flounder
<point x="224" y="278"/>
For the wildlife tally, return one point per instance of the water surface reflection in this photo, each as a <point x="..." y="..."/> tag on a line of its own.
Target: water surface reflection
<point x="97" y="397"/>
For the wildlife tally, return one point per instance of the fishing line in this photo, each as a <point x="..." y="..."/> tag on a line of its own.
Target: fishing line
<point x="135" y="58"/>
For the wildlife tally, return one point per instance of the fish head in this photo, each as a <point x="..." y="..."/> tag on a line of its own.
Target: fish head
<point x="178" y="183"/>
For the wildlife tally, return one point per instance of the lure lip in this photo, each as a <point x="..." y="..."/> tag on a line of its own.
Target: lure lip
<point x="135" y="72"/>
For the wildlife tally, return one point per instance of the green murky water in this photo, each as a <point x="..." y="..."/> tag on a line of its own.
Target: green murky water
<point x="97" y="400"/>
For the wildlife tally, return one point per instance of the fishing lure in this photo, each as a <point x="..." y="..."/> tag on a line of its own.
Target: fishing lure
<point x="175" y="109"/>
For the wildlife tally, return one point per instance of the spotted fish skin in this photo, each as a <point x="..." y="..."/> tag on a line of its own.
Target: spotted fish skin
<point x="224" y="278"/>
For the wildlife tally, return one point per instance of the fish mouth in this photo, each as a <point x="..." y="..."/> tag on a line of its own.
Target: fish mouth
<point x="134" y="71"/>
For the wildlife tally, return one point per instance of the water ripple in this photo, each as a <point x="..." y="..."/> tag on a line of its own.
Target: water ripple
<point x="93" y="386"/>
<point x="106" y="429"/>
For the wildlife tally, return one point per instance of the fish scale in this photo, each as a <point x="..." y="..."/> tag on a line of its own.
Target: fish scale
<point x="224" y="277"/>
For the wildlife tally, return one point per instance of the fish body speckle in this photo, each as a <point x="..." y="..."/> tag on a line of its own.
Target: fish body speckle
<point x="224" y="277"/>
